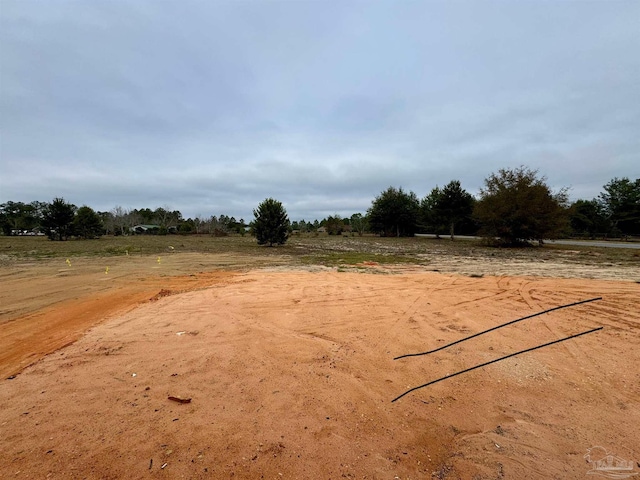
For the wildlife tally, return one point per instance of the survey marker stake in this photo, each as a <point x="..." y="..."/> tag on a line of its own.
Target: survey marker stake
<point x="497" y="327"/>
<point x="494" y="361"/>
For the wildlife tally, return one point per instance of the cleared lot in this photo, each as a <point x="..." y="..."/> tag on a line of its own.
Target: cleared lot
<point x="290" y="370"/>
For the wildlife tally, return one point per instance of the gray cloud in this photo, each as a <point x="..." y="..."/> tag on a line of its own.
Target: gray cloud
<point x="211" y="107"/>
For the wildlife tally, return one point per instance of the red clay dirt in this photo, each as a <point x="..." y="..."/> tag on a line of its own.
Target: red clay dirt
<point x="291" y="374"/>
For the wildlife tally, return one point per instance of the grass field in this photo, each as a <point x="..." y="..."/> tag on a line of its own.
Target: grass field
<point x="312" y="250"/>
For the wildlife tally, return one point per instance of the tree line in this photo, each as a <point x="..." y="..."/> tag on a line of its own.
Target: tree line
<point x="60" y="220"/>
<point x="514" y="206"/>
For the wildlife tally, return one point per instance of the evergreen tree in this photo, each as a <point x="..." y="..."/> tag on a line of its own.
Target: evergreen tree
<point x="430" y="217"/>
<point x="517" y="206"/>
<point x="271" y="224"/>
<point x="57" y="219"/>
<point x="394" y="213"/>
<point x="621" y="201"/>
<point x="19" y="216"/>
<point x="454" y="206"/>
<point x="587" y="217"/>
<point x="87" y="223"/>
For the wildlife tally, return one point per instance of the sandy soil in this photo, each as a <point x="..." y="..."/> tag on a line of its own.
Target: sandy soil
<point x="291" y="373"/>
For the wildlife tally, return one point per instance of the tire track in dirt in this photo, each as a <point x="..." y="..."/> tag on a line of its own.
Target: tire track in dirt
<point x="290" y="373"/>
<point x="577" y="356"/>
<point x="25" y="340"/>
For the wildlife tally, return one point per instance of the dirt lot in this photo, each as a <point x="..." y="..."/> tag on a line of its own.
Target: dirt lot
<point x="290" y="370"/>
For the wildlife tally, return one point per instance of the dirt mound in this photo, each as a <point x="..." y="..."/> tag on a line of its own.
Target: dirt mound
<point x="291" y="375"/>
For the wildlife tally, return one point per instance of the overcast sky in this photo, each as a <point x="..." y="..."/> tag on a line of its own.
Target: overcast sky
<point x="209" y="107"/>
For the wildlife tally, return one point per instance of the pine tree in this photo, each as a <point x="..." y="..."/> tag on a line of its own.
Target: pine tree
<point x="57" y="219"/>
<point x="87" y="224"/>
<point x="271" y="224"/>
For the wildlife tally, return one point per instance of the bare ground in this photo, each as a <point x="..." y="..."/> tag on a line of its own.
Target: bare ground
<point x="290" y="371"/>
